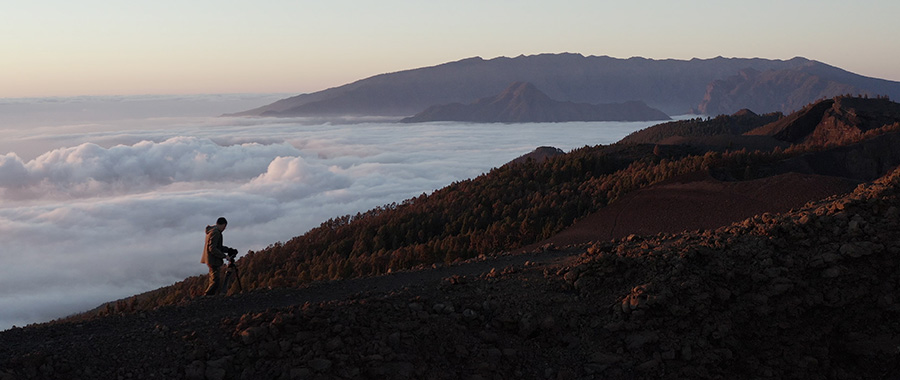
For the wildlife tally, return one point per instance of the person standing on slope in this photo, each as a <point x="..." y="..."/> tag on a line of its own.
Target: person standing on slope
<point x="214" y="254"/>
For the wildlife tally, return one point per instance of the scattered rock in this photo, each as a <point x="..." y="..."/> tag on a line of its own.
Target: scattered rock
<point x="196" y="370"/>
<point x="527" y="325"/>
<point x="252" y="335"/>
<point x="604" y="358"/>
<point x="636" y="341"/>
<point x="320" y="364"/>
<point x="213" y="373"/>
<point x="300" y="373"/>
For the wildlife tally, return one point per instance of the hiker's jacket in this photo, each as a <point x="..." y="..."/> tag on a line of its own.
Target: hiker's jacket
<point x="213" y="250"/>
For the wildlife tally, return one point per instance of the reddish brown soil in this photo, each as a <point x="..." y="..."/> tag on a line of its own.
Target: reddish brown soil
<point x="698" y="201"/>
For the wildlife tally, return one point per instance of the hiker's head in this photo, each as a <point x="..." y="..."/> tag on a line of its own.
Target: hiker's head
<point x="221" y="223"/>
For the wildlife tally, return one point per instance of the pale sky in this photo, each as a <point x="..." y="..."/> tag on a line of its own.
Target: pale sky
<point x="94" y="47"/>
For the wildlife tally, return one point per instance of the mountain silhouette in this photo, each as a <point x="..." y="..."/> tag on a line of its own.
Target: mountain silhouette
<point x="522" y="102"/>
<point x="672" y="86"/>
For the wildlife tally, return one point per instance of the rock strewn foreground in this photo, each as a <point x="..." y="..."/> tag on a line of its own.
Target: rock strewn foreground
<point x="806" y="294"/>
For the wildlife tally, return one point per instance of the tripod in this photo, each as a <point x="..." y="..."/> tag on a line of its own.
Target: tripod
<point x="231" y="270"/>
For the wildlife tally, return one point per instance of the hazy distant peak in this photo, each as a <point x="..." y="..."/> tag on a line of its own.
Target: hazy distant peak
<point x="540" y="154"/>
<point x="744" y="112"/>
<point x="521" y="92"/>
<point x="474" y="59"/>
<point x="801" y="59"/>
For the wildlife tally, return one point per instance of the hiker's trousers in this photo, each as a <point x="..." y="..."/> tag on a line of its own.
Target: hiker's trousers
<point x="214" y="280"/>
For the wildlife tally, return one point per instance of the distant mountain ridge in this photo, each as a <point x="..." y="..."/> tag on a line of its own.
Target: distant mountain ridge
<point x="522" y="102"/>
<point x="673" y="86"/>
<point x="775" y="90"/>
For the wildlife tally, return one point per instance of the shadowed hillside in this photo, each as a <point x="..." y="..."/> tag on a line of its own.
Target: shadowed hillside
<point x="787" y="89"/>
<point x="779" y="90"/>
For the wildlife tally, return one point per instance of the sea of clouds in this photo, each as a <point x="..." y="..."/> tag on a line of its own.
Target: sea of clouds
<point x="102" y="198"/>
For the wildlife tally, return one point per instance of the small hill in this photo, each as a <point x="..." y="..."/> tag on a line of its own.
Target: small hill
<point x="732" y="125"/>
<point x="540" y="154"/>
<point x="522" y="102"/>
<point x="831" y="121"/>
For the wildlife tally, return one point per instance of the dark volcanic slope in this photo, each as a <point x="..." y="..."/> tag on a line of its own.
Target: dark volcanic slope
<point x="807" y="294"/>
<point x="522" y="102"/>
<point x="161" y="343"/>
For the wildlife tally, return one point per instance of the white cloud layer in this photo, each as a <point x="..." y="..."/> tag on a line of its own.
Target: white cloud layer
<point x="118" y="211"/>
<point x="89" y="170"/>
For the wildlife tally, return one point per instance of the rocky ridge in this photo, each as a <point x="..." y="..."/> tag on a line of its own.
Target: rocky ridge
<point x="830" y="121"/>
